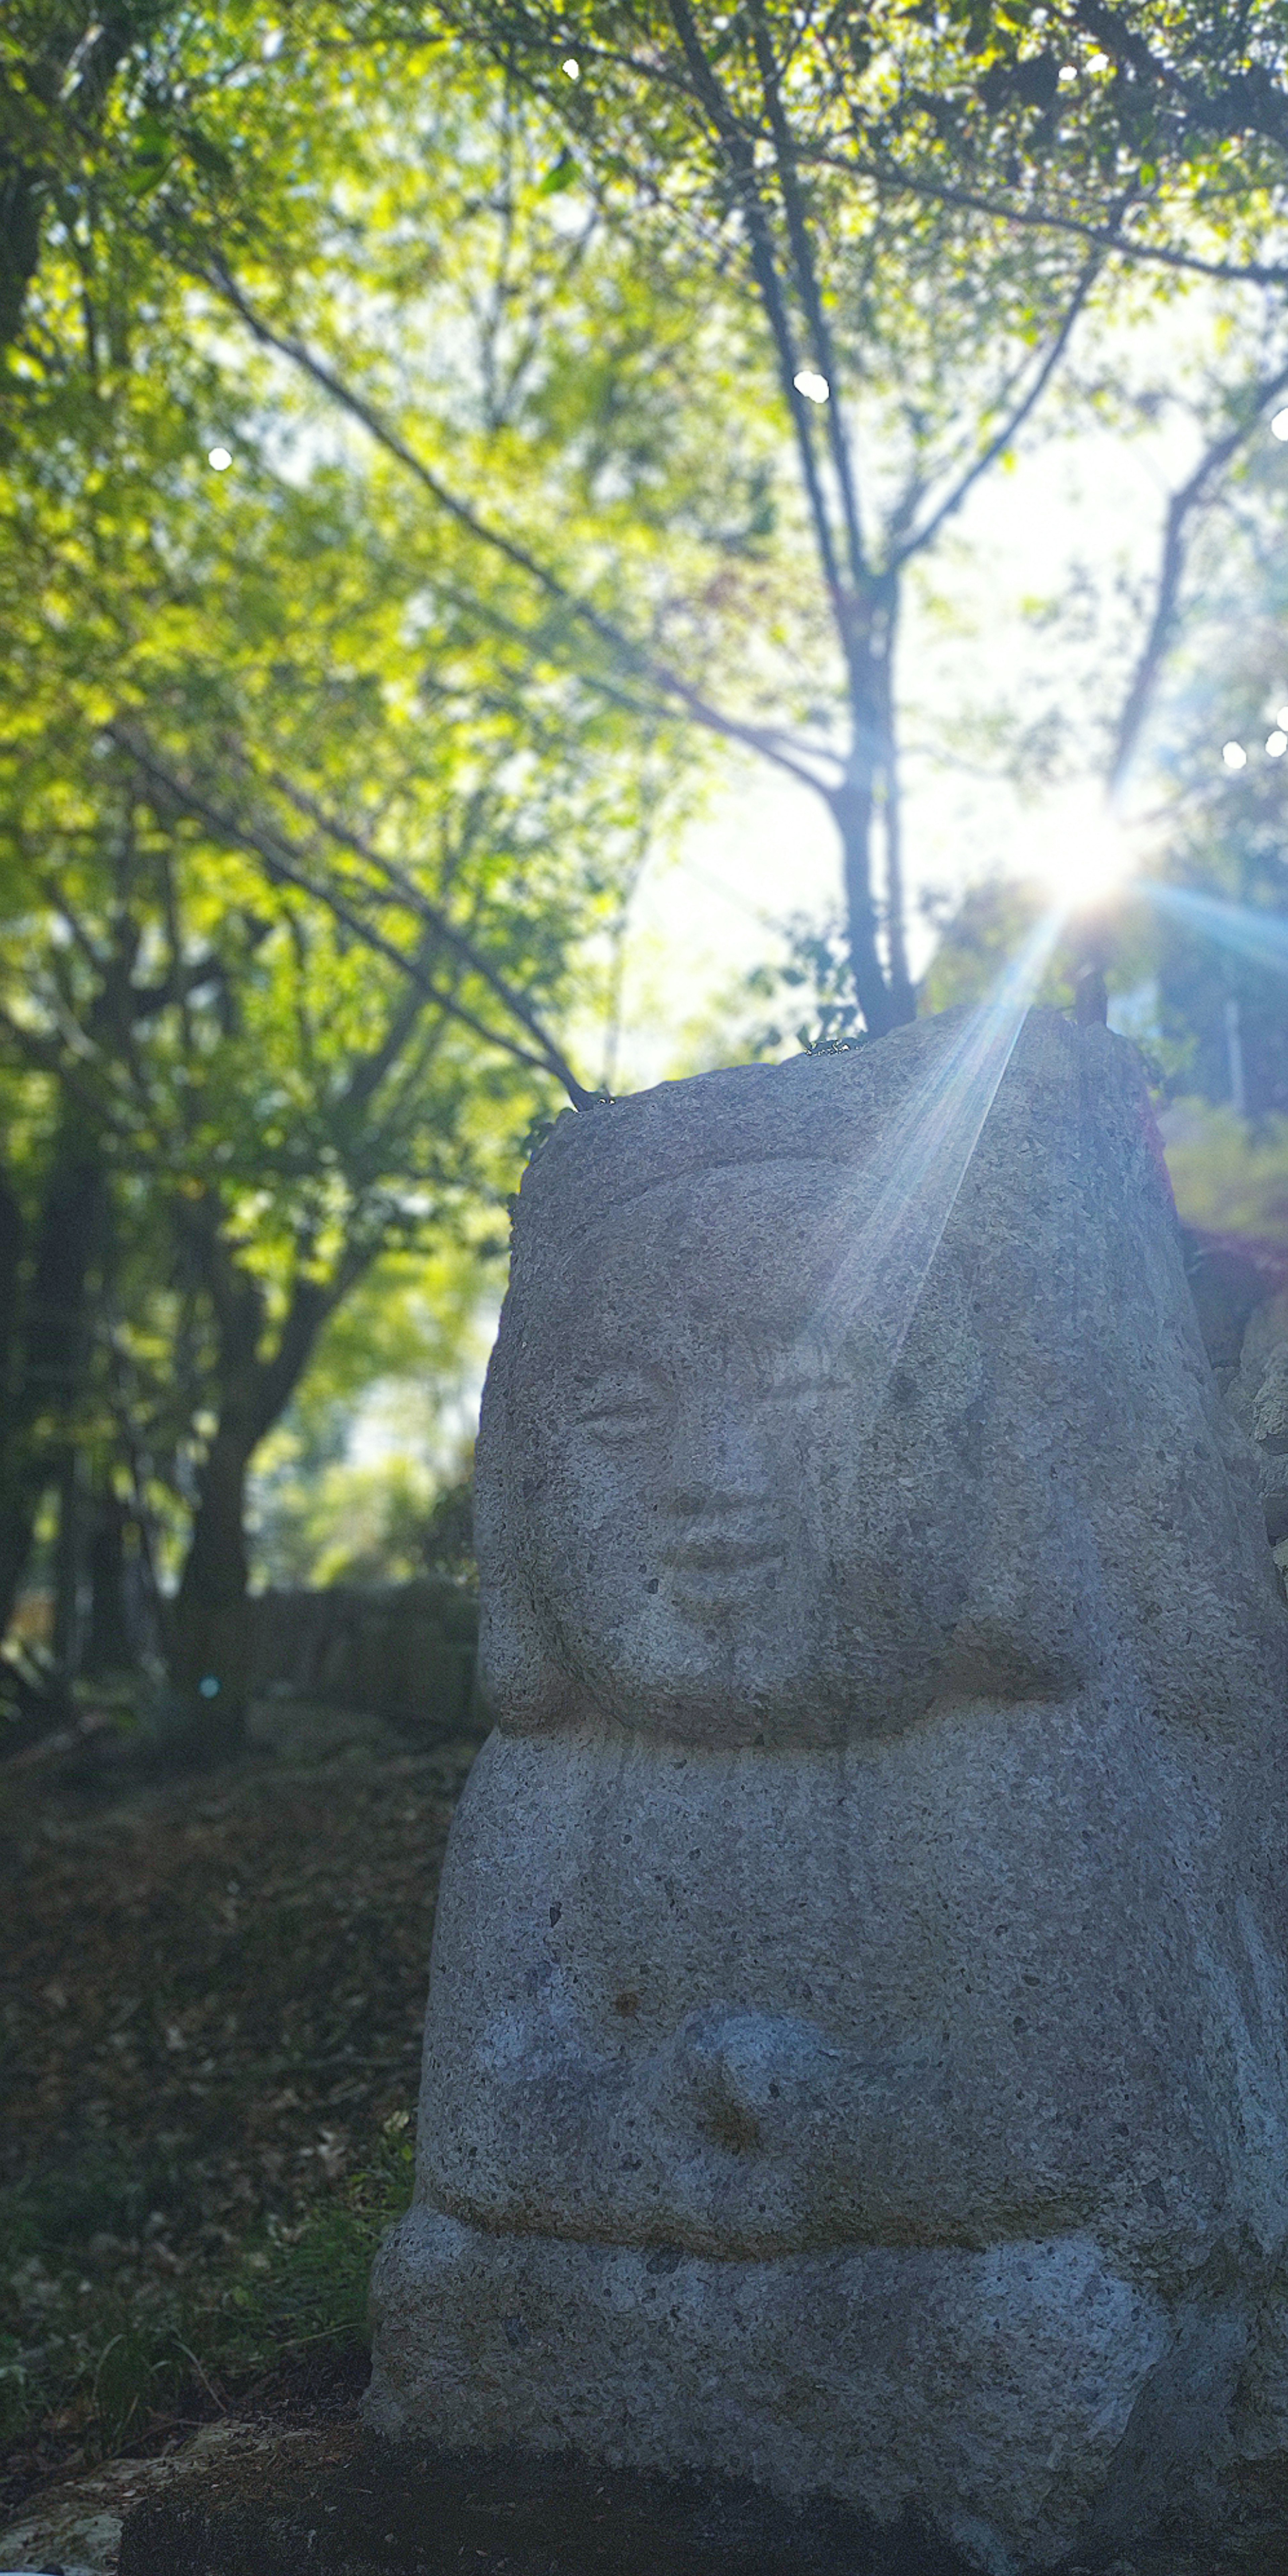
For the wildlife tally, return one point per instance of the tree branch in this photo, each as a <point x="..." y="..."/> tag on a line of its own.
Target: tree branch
<point x="1249" y="103"/>
<point x="435" y="919"/>
<point x="740" y="162"/>
<point x="1030" y="219"/>
<point x="282" y="863"/>
<point x="1011" y="427"/>
<point x="811" y="297"/>
<point x="644" y="665"/>
<point x="368" y="1071"/>
<point x="1171" y="571"/>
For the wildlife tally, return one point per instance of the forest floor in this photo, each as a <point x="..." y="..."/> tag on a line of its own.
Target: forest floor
<point x="211" y="1996"/>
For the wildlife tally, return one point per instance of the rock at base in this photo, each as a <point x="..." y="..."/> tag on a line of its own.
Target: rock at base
<point x="338" y="2503"/>
<point x="341" y="2504"/>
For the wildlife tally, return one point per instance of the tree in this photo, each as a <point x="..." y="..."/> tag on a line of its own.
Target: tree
<point x="1197" y="944"/>
<point x="1156" y="135"/>
<point x="1155" y="138"/>
<point x="291" y="889"/>
<point x="923" y="203"/>
<point x="704" y="147"/>
<point x="321" y="758"/>
<point x="1220" y="937"/>
<point x="59" y="60"/>
<point x="648" y="590"/>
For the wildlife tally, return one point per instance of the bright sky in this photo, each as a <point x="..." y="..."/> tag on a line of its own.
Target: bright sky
<point x="1079" y="521"/>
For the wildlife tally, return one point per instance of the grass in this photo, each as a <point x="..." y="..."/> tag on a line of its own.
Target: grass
<point x="112" y="2360"/>
<point x="210" y="2002"/>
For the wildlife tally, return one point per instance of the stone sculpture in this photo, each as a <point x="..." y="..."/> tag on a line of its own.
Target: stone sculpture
<point x="856" y="2048"/>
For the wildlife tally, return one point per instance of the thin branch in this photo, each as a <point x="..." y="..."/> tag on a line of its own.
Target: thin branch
<point x="1011" y="427"/>
<point x="1249" y="102"/>
<point x="48" y="1057"/>
<point x="811" y="296"/>
<point x="1171" y="571"/>
<point x="368" y="1071"/>
<point x="56" y="898"/>
<point x="787" y="751"/>
<point x="901" y="985"/>
<point x="644" y="665"/>
<point x="1109" y="239"/>
<point x="740" y="162"/>
<point x="430" y="913"/>
<point x="282" y="862"/>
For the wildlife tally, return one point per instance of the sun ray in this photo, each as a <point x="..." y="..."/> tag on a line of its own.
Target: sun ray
<point x="1261" y="937"/>
<point x="893" y="1217"/>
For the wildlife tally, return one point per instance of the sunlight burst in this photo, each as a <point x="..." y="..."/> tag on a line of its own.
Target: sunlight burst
<point x="1081" y="850"/>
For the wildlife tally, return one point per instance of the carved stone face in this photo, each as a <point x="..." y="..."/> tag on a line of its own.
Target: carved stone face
<point x="718" y="1507"/>
<point x="719" y="1502"/>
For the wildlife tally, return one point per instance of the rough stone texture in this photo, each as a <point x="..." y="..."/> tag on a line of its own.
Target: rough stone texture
<point x="1258" y="1399"/>
<point x="856" y="2049"/>
<point x="75" y="2527"/>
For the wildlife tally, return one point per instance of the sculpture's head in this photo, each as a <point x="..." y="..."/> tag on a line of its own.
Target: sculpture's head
<point x="762" y="1460"/>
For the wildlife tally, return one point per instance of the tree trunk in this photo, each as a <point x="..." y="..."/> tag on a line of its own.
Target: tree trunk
<point x="17" y="1506"/>
<point x="69" y="1568"/>
<point x="19" y="245"/>
<point x="208" y="1641"/>
<point x="852" y="807"/>
<point x="882" y="985"/>
<point x="207" y="1637"/>
<point x="110" y="1646"/>
<point x="44" y="1342"/>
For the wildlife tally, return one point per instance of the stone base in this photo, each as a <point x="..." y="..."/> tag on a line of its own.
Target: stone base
<point x="336" y="2503"/>
<point x="341" y="2504"/>
<point x="1021" y="2403"/>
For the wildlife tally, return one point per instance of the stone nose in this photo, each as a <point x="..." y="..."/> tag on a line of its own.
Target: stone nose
<point x="718" y="1466"/>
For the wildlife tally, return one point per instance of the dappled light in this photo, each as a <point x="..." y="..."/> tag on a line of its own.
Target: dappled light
<point x="643" y="814"/>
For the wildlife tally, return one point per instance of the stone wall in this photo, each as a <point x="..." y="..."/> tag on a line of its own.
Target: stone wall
<point x="403" y="1651"/>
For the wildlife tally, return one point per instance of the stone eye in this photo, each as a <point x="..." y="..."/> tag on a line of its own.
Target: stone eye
<point x="617" y="1410"/>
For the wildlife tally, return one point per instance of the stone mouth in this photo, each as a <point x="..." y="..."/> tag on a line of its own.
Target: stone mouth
<point x="711" y="1563"/>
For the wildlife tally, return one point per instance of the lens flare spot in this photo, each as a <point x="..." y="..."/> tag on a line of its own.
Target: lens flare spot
<point x="1081" y="851"/>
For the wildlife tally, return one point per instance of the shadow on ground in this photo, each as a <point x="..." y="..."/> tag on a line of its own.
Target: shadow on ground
<point x="211" y="1998"/>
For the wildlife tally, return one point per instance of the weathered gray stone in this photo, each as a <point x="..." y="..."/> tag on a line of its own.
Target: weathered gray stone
<point x="1257" y="1396"/>
<point x="856" y="2057"/>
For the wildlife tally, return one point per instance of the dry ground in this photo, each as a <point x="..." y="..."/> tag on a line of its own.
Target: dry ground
<point x="211" y="1992"/>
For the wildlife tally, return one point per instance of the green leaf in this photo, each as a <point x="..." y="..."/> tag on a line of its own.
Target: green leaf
<point x="153" y="151"/>
<point x="562" y="174"/>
